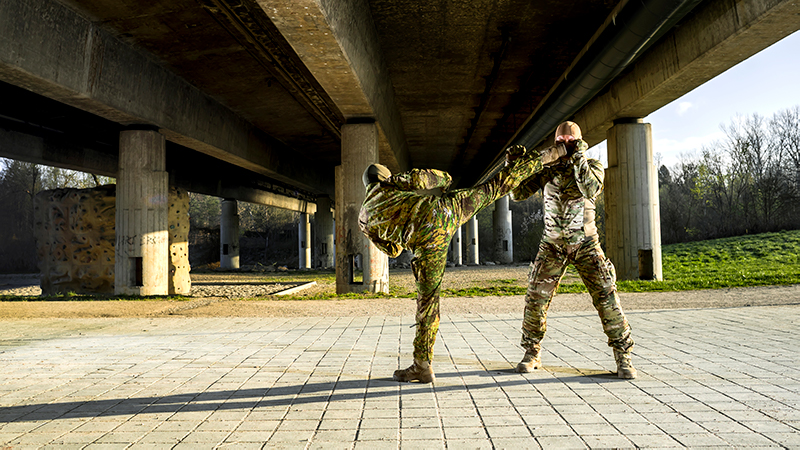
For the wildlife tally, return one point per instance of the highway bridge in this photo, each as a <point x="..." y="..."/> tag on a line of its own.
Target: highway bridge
<point x="285" y="102"/>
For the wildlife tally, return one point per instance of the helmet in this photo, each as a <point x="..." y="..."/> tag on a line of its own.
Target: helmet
<point x="568" y="129"/>
<point x="375" y="173"/>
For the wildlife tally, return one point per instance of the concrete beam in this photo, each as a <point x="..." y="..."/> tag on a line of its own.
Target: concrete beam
<point x="714" y="38"/>
<point x="52" y="51"/>
<point x="56" y="150"/>
<point x="338" y="42"/>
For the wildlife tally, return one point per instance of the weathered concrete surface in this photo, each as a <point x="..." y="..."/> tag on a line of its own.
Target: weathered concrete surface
<point x="180" y="283"/>
<point x="501" y="231"/>
<point x="633" y="223"/>
<point x="324" y="248"/>
<point x="74" y="230"/>
<point x="229" y="234"/>
<point x="359" y="150"/>
<point x="75" y="237"/>
<point x="338" y="42"/>
<point x="142" y="244"/>
<point x="76" y="62"/>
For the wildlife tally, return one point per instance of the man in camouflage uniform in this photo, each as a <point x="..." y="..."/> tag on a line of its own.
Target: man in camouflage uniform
<point x="570" y="187"/>
<point x="395" y="216"/>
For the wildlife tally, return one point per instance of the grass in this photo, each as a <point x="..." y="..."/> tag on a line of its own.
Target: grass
<point x="755" y="260"/>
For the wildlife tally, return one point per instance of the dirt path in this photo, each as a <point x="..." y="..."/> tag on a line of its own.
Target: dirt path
<point x="225" y="307"/>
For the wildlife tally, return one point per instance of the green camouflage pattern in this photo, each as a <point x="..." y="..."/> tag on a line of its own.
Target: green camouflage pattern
<point x="395" y="216"/>
<point x="569" y="190"/>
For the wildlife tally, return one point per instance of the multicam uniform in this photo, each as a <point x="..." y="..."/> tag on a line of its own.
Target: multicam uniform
<point x="570" y="236"/>
<point x="394" y="217"/>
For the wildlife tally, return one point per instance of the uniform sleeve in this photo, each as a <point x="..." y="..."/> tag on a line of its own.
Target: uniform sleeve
<point x="532" y="185"/>
<point x="421" y="179"/>
<point x="526" y="189"/>
<point x="589" y="173"/>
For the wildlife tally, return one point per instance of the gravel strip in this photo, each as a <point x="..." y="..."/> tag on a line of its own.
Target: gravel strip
<point x="215" y="294"/>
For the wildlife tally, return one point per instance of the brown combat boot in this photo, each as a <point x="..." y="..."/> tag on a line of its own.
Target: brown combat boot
<point x="624" y="366"/>
<point x="419" y="371"/>
<point x="531" y="361"/>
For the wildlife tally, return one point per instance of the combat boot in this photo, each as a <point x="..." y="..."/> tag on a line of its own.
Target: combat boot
<point x="421" y="371"/>
<point x="624" y="366"/>
<point x="531" y="361"/>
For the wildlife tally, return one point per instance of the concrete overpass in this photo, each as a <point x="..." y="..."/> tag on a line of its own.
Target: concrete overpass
<point x="284" y="102"/>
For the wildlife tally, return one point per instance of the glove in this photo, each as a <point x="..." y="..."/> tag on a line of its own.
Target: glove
<point x="514" y="152"/>
<point x="577" y="156"/>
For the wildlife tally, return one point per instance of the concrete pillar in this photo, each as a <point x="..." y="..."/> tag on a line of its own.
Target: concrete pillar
<point x="455" y="248"/>
<point x="304" y="241"/>
<point x="323" y="234"/>
<point x="473" y="258"/>
<point x="633" y="225"/>
<point x="142" y="250"/>
<point x="503" y="243"/>
<point x="359" y="150"/>
<point x="229" y="234"/>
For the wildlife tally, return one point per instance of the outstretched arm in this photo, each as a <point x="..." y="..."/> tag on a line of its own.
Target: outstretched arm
<point x="528" y="187"/>
<point x="421" y="179"/>
<point x="589" y="173"/>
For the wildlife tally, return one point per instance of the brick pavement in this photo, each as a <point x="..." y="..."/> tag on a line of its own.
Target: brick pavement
<point x="708" y="378"/>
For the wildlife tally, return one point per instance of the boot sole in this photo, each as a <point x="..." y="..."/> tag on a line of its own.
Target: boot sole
<point x="421" y="379"/>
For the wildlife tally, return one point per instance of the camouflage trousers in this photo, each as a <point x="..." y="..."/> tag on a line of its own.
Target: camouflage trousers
<point x="430" y="248"/>
<point x="597" y="274"/>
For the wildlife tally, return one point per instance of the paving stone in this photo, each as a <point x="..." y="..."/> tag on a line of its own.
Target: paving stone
<point x="325" y="382"/>
<point x="375" y="434"/>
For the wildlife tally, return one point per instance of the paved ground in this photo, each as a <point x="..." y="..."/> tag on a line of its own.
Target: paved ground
<point x="714" y="377"/>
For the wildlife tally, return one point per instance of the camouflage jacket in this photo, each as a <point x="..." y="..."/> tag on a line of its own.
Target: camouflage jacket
<point x="388" y="205"/>
<point x="569" y="189"/>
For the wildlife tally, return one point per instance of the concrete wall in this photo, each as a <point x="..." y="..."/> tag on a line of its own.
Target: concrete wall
<point x="75" y="234"/>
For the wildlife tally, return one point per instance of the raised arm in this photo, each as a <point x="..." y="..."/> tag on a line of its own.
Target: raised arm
<point x="589" y="173"/>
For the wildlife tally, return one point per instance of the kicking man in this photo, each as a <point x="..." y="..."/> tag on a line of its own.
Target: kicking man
<point x="395" y="216"/>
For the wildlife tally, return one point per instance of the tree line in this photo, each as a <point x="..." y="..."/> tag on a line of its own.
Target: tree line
<point x="746" y="183"/>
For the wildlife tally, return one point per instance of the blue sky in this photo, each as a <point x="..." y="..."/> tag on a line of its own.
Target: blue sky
<point x="765" y="83"/>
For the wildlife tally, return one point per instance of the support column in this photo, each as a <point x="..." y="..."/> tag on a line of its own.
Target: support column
<point x="359" y="150"/>
<point x="633" y="225"/>
<point x="304" y="241"/>
<point x="473" y="258"/>
<point x="142" y="251"/>
<point x="229" y="234"/>
<point x="323" y="234"/>
<point x="455" y="248"/>
<point x="503" y="243"/>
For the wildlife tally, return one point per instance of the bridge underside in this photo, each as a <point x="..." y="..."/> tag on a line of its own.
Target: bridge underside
<point x="253" y="97"/>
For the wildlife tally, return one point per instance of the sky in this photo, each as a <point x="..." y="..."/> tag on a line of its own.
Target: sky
<point x="765" y="83"/>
